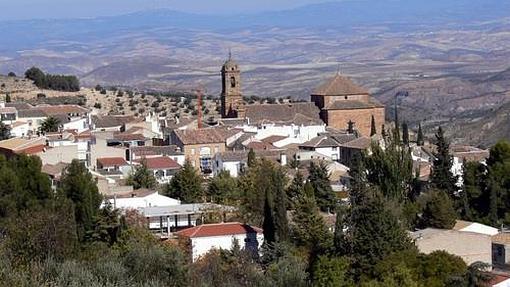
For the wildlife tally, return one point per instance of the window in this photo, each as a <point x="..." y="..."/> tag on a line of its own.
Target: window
<point x="192" y="151"/>
<point x="232" y="82"/>
<point x="205" y="164"/>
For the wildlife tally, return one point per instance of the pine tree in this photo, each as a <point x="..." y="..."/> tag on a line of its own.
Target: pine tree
<point x="373" y="130"/>
<point x="295" y="189"/>
<point x="442" y="176"/>
<point x="439" y="211"/>
<point x="419" y="138"/>
<point x="223" y="189"/>
<point x="142" y="177"/>
<point x="8" y="98"/>
<point x="405" y="133"/>
<point x="374" y="233"/>
<point x="319" y="179"/>
<point x="79" y="186"/>
<point x="186" y="185"/>
<point x="308" y="227"/>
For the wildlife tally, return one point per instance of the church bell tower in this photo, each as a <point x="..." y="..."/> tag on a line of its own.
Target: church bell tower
<point x="231" y="99"/>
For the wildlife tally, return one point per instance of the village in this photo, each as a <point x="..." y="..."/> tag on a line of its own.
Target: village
<point x="135" y="159"/>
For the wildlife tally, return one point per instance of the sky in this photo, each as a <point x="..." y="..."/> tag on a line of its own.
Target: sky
<point x="30" y="9"/>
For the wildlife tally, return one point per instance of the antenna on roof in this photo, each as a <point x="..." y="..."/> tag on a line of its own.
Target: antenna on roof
<point x="338" y="69"/>
<point x="229" y="54"/>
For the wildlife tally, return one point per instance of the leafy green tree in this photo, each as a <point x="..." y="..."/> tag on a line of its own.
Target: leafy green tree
<point x="5" y="131"/>
<point x="223" y="189"/>
<point x="439" y="211"/>
<point x="288" y="270"/>
<point x="186" y="185"/>
<point x="36" y="75"/>
<point x="420" y="141"/>
<point x="477" y="275"/>
<point x="331" y="272"/>
<point x="50" y="125"/>
<point x="474" y="203"/>
<point x="405" y="133"/>
<point x="319" y="179"/>
<point x="39" y="234"/>
<point x="11" y="74"/>
<point x="373" y="130"/>
<point x="442" y="176"/>
<point x="391" y="170"/>
<point x="497" y="181"/>
<point x="80" y="188"/>
<point x="142" y="177"/>
<point x="383" y="131"/>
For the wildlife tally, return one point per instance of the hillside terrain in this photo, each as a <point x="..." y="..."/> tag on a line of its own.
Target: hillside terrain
<point x="450" y="56"/>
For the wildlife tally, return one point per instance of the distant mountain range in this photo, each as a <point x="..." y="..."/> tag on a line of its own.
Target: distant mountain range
<point x="398" y="15"/>
<point x="449" y="54"/>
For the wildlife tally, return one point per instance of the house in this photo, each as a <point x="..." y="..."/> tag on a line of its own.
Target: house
<point x="167" y="219"/>
<point x="140" y="198"/>
<point x="8" y="115"/>
<point x="163" y="167"/>
<point x="14" y="146"/>
<point x="206" y="237"/>
<point x="171" y="151"/>
<point x="297" y="122"/>
<point x="325" y="145"/>
<point x="341" y="102"/>
<point x="235" y="162"/>
<point x="110" y="123"/>
<point x="349" y="150"/>
<point x="127" y="140"/>
<point x="33" y="117"/>
<point x="501" y="250"/>
<point x="470" y="246"/>
<point x="54" y="171"/>
<point x="200" y="145"/>
<point x="467" y="226"/>
<point x="19" y="129"/>
<point x="112" y="166"/>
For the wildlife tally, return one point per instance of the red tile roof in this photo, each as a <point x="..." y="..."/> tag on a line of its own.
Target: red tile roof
<point x="203" y="136"/>
<point x="111" y="161"/>
<point x="339" y="86"/>
<point x="218" y="229"/>
<point x="61" y="109"/>
<point x="162" y="162"/>
<point x="128" y="137"/>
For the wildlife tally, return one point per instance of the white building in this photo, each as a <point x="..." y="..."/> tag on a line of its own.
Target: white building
<point x="163" y="167"/>
<point x="204" y="238"/>
<point x="467" y="226"/>
<point x="141" y="198"/>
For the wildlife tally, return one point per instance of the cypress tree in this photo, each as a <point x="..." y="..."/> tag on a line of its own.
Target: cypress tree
<point x="280" y="205"/>
<point x="251" y="158"/>
<point x="383" y="132"/>
<point x="268" y="225"/>
<point x="295" y="189"/>
<point x="442" y="176"/>
<point x="419" y="138"/>
<point x="373" y="130"/>
<point x="405" y="133"/>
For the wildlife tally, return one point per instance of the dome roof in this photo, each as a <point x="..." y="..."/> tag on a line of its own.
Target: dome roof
<point x="337" y="86"/>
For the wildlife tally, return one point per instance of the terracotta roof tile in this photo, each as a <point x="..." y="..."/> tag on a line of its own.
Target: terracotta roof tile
<point x="202" y="136"/>
<point x="339" y="86"/>
<point x="62" y="109"/>
<point x="219" y="229"/>
<point x="162" y="162"/>
<point x="359" y="143"/>
<point x="296" y="113"/>
<point x="156" y="150"/>
<point x="111" y="161"/>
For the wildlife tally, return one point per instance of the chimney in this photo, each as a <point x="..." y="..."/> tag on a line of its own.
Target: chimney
<point x="283" y="159"/>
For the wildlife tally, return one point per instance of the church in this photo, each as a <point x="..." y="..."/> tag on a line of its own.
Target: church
<point x="337" y="102"/>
